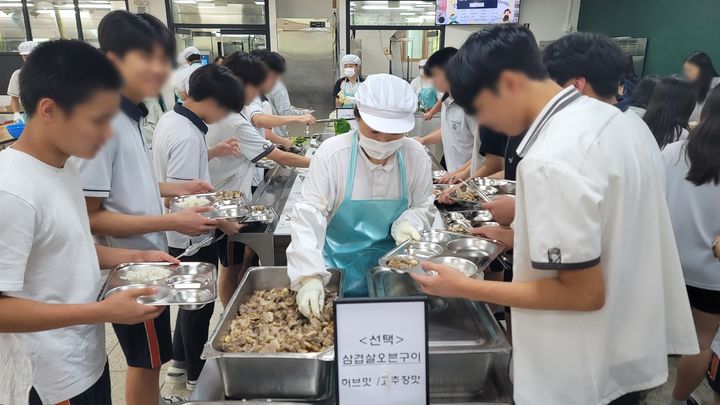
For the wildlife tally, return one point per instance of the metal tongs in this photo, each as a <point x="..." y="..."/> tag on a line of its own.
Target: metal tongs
<point x="195" y="247"/>
<point x="477" y="190"/>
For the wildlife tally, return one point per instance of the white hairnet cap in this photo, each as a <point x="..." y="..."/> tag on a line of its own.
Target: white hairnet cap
<point x="387" y="103"/>
<point x="351" y="59"/>
<point x="422" y="63"/>
<point x="26" y="47"/>
<point x="190" y="50"/>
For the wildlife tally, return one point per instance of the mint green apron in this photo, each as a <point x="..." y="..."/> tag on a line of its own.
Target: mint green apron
<point x="359" y="232"/>
<point x="349" y="93"/>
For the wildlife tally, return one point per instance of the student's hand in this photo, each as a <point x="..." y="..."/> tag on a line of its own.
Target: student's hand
<point x="429" y="115"/>
<point x="503" y="234"/>
<point x="286" y="143"/>
<point x="716" y="250"/>
<point x="231" y="147"/>
<point x="190" y="221"/>
<point x="149" y="256"/>
<point x="502" y="210"/>
<point x="450" y="178"/>
<point x="420" y="139"/>
<point x="306" y="119"/>
<point x="446" y="197"/>
<point x="123" y="308"/>
<point x="193" y="187"/>
<point x="228" y="227"/>
<point x="442" y="280"/>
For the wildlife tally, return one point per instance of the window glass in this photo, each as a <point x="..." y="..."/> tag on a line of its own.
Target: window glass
<point x="91" y="12"/>
<point x="215" y="42"/>
<point x="52" y="20"/>
<point x="406" y="13"/>
<point x="393" y="51"/>
<point x="239" y="12"/>
<point x="12" y="25"/>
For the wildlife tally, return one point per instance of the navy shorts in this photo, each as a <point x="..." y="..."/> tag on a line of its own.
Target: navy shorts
<point x="704" y="300"/>
<point x="229" y="253"/>
<point x="146" y="345"/>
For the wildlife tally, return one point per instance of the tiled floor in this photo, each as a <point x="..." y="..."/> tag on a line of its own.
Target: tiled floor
<point x="658" y="396"/>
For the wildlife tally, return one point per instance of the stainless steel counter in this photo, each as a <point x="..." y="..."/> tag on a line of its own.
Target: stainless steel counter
<point x="209" y="391"/>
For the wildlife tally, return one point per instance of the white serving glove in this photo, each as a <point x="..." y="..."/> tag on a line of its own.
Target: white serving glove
<point x="405" y="231"/>
<point x="311" y="297"/>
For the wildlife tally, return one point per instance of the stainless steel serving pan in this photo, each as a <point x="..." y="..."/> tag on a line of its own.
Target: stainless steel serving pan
<point x="190" y="285"/>
<point x="465" y="340"/>
<point x="282" y="376"/>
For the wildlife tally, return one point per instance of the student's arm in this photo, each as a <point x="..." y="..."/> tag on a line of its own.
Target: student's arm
<point x="15" y="104"/>
<point x="109" y="257"/>
<point x="493" y="164"/>
<point x="288" y="159"/>
<point x="229" y="147"/>
<point x="462" y="173"/>
<point x="269" y="121"/>
<point x="433" y="138"/>
<point x="109" y="223"/>
<point x="276" y="139"/>
<point x="570" y="290"/>
<point x="434" y="110"/>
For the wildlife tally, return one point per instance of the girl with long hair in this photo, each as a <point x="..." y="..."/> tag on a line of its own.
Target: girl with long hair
<point x="669" y="110"/>
<point x="699" y="70"/>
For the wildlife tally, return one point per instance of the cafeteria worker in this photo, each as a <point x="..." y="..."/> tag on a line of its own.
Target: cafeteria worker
<point x="365" y="192"/>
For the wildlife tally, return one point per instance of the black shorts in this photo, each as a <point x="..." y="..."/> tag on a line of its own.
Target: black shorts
<point x="98" y="394"/>
<point x="228" y="252"/>
<point x="712" y="375"/>
<point x="704" y="300"/>
<point x="148" y="344"/>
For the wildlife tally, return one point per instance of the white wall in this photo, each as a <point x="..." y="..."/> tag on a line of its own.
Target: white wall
<point x="548" y="20"/>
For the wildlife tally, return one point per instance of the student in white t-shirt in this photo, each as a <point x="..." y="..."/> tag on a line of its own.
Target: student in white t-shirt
<point x="589" y="206"/>
<point x="180" y="154"/>
<point x="253" y="147"/>
<point x="52" y="338"/>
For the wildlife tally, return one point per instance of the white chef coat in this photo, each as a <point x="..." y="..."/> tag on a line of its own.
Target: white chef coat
<point x="123" y="175"/>
<point x="693" y="210"/>
<point x="14" y="84"/>
<point x="591" y="190"/>
<point x="183" y="77"/>
<point x="458" y="132"/>
<point x="48" y="256"/>
<point x="253" y="147"/>
<point x="180" y="154"/>
<point x="324" y="190"/>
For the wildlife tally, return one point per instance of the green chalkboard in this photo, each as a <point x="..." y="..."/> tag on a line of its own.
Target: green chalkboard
<point x="674" y="28"/>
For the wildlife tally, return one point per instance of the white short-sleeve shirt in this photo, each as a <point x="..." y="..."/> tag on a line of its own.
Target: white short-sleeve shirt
<point x="14" y="84"/>
<point x="180" y="154"/>
<point x="122" y="173"/>
<point x="253" y="147"/>
<point x="48" y="256"/>
<point x="183" y="77"/>
<point x="458" y="132"/>
<point x="591" y="191"/>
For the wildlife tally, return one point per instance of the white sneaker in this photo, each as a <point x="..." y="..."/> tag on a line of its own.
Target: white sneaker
<point x="190" y="385"/>
<point x="172" y="400"/>
<point x="176" y="374"/>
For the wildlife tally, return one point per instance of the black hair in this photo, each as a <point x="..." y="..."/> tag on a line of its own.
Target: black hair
<point x="249" y="69"/>
<point x="273" y="60"/>
<point x="703" y="146"/>
<point x="707" y="73"/>
<point x="439" y="60"/>
<point x="121" y="31"/>
<point x="643" y="91"/>
<point x="193" y="57"/>
<point x="594" y="57"/>
<point x="669" y="109"/>
<point x="486" y="54"/>
<point x="629" y="68"/>
<point x="219" y="83"/>
<point x="66" y="71"/>
<point x="218" y="59"/>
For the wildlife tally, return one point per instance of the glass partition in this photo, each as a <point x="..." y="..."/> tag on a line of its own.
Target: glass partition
<point x="52" y="20"/>
<point x="91" y="12"/>
<point x="12" y="25"/>
<point x="241" y="12"/>
<point x="396" y="13"/>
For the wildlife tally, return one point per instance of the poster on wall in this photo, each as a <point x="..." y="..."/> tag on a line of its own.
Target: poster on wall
<point x="476" y="12"/>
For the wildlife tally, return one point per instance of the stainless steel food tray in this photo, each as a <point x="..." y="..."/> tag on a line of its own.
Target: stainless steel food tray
<point x="282" y="376"/>
<point x="465" y="341"/>
<point x="503" y="186"/>
<point x="485" y="251"/>
<point x="234" y="208"/>
<point x="266" y="216"/>
<point x="190" y="285"/>
<point x="473" y="218"/>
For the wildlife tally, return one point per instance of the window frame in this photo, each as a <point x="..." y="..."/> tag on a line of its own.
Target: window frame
<point x="350" y="28"/>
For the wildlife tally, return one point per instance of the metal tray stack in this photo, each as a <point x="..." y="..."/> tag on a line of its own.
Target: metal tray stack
<point x="502" y="186"/>
<point x="276" y="376"/>
<point x="221" y="208"/>
<point x="441" y="246"/>
<point x="467" y="345"/>
<point x="457" y="221"/>
<point x="189" y="285"/>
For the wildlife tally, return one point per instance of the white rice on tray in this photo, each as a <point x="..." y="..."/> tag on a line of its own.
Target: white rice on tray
<point x="191" y="202"/>
<point x="146" y="273"/>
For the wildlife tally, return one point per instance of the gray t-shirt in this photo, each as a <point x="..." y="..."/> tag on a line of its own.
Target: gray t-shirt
<point x="693" y="211"/>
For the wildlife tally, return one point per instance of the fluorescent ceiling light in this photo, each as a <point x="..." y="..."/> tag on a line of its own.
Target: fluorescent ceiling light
<point x="407" y="13"/>
<point x="95" y="6"/>
<point x="260" y="3"/>
<point x="385" y="7"/>
<point x="10" y="4"/>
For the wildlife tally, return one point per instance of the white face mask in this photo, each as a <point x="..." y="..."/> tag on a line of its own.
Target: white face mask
<point x="379" y="150"/>
<point x="349" y="72"/>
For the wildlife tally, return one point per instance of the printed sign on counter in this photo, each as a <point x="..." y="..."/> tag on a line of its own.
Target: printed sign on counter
<point x="381" y="351"/>
<point x="348" y="114"/>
